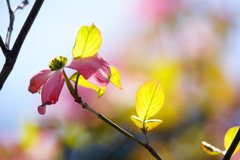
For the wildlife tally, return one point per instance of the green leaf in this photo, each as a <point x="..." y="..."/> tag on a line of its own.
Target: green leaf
<point x="83" y="82"/>
<point x="87" y="43"/>
<point x="211" y="150"/>
<point x="152" y="123"/>
<point x="149" y="99"/>
<point x="229" y="136"/>
<point x="115" y="77"/>
<point x="137" y="121"/>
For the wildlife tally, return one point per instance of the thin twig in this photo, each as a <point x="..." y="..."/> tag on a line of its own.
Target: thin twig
<point x="11" y="21"/>
<point x="233" y="146"/>
<point x="9" y="6"/>
<point x="153" y="152"/>
<point x="76" y="84"/>
<point x="10" y="27"/>
<point x="102" y="117"/>
<point x="121" y="130"/>
<point x="145" y="135"/>
<point x="12" y="55"/>
<point x="24" y="3"/>
<point x="147" y="145"/>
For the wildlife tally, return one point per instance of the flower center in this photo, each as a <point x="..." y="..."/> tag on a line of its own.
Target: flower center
<point x="57" y="63"/>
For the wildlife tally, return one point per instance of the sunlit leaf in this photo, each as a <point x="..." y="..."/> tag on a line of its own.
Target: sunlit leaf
<point x="149" y="99"/>
<point x="115" y="77"/>
<point x="83" y="82"/>
<point x="88" y="42"/>
<point x="211" y="150"/>
<point x="229" y="136"/>
<point x="137" y="121"/>
<point x="152" y="123"/>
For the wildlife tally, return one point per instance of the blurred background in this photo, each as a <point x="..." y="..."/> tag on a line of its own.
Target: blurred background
<point x="191" y="47"/>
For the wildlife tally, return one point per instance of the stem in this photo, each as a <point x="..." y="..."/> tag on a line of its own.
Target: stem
<point x="145" y="135"/>
<point x="152" y="151"/>
<point x="233" y="146"/>
<point x="148" y="146"/>
<point x="76" y="83"/>
<point x="105" y="119"/>
<point x="10" y="27"/>
<point x="69" y="85"/>
<point x="121" y="130"/>
<point x="24" y="3"/>
<point x="9" y="6"/>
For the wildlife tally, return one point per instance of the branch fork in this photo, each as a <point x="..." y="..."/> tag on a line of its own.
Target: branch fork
<point x="12" y="54"/>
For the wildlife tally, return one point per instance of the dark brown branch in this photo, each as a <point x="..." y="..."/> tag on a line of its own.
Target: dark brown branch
<point x="233" y="146"/>
<point x="2" y="45"/>
<point x="12" y="55"/>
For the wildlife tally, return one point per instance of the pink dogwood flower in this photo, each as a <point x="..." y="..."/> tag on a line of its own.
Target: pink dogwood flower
<point x="94" y="69"/>
<point x="95" y="72"/>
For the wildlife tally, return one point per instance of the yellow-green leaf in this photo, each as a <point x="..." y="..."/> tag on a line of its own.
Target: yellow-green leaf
<point x="149" y="99"/>
<point x="137" y="121"/>
<point x="152" y="123"/>
<point x="229" y="136"/>
<point x="115" y="77"/>
<point x="83" y="82"/>
<point x="88" y="42"/>
<point x="211" y="150"/>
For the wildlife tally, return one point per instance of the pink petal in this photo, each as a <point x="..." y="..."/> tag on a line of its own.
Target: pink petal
<point x="38" y="80"/>
<point x="94" y="69"/>
<point x="52" y="88"/>
<point x="42" y="110"/>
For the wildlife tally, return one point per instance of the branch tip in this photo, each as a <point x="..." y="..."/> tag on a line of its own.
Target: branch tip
<point x="24" y="3"/>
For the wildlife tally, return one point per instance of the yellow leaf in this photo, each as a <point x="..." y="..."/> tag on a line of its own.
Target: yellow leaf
<point x="83" y="82"/>
<point x="229" y="136"/>
<point x="88" y="42"/>
<point x="211" y="150"/>
<point x="115" y="77"/>
<point x="149" y="99"/>
<point x="152" y="123"/>
<point x="137" y="121"/>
